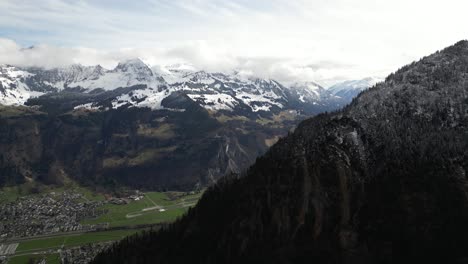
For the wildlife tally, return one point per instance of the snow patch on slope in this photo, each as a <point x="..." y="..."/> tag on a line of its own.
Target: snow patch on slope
<point x="13" y="91"/>
<point x="215" y="101"/>
<point x="353" y="86"/>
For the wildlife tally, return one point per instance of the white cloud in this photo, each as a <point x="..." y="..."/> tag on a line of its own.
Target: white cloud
<point x="200" y="54"/>
<point x="323" y="40"/>
<point x="42" y="55"/>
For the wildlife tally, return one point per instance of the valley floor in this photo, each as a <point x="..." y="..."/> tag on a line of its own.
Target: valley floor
<point x="109" y="219"/>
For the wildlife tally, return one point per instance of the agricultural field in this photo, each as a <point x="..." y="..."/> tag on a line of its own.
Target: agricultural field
<point x="53" y="258"/>
<point x="35" y="245"/>
<point x="48" y="248"/>
<point x="152" y="208"/>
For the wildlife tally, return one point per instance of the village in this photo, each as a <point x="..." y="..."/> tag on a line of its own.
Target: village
<point x="46" y="214"/>
<point x="76" y="224"/>
<point x="83" y="254"/>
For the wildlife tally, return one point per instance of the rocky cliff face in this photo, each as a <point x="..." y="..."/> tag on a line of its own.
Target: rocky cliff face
<point x="21" y="142"/>
<point x="382" y="181"/>
<point x="136" y="147"/>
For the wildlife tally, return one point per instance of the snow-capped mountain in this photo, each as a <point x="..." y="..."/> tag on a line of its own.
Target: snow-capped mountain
<point x="308" y="91"/>
<point x="218" y="91"/>
<point x="125" y="74"/>
<point x="229" y="119"/>
<point x="13" y="89"/>
<point x="148" y="87"/>
<point x="213" y="91"/>
<point x="174" y="73"/>
<point x="20" y="84"/>
<point x="350" y="89"/>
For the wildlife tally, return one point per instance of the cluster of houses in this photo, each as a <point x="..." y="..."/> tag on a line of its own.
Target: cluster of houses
<point x="83" y="254"/>
<point x="47" y="213"/>
<point x="126" y="200"/>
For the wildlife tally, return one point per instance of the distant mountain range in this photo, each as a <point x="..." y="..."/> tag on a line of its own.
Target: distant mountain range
<point x="347" y="90"/>
<point x="213" y="91"/>
<point x="157" y="128"/>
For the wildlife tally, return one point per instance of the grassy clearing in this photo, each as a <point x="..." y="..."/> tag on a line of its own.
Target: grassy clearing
<point x="277" y="121"/>
<point x="285" y="115"/>
<point x="143" y="157"/>
<point x="163" y="132"/>
<point x="40" y="244"/>
<point x="50" y="259"/>
<point x="88" y="194"/>
<point x="9" y="194"/>
<point x="224" y="118"/>
<point x="72" y="240"/>
<point x="12" y="111"/>
<point x="114" y="162"/>
<point x="146" y="210"/>
<point x="147" y="155"/>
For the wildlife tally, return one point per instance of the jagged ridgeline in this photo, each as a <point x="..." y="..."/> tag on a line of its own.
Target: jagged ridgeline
<point x="382" y="181"/>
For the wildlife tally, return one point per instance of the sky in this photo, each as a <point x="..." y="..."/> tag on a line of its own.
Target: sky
<point x="326" y="41"/>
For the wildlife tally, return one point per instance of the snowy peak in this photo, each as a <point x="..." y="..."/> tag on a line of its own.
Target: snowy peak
<point x="97" y="72"/>
<point x="200" y="77"/>
<point x="313" y="96"/>
<point x="136" y="66"/>
<point x="125" y="74"/>
<point x="75" y="73"/>
<point x="13" y="90"/>
<point x="350" y="89"/>
<point x="10" y="73"/>
<point x="309" y="90"/>
<point x="356" y="84"/>
<point x="148" y="87"/>
<point x="133" y="72"/>
<point x="218" y="91"/>
<point x="175" y="73"/>
<point x="20" y="84"/>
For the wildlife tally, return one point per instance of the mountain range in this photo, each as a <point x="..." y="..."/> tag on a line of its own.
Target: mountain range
<point x="347" y="90"/>
<point x="383" y="180"/>
<point x="213" y="91"/>
<point x="153" y="128"/>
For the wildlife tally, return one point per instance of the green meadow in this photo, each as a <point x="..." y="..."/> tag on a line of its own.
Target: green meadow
<point x="153" y="208"/>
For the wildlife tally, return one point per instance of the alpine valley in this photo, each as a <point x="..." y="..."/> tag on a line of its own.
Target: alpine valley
<point x="153" y="128"/>
<point x="383" y="180"/>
